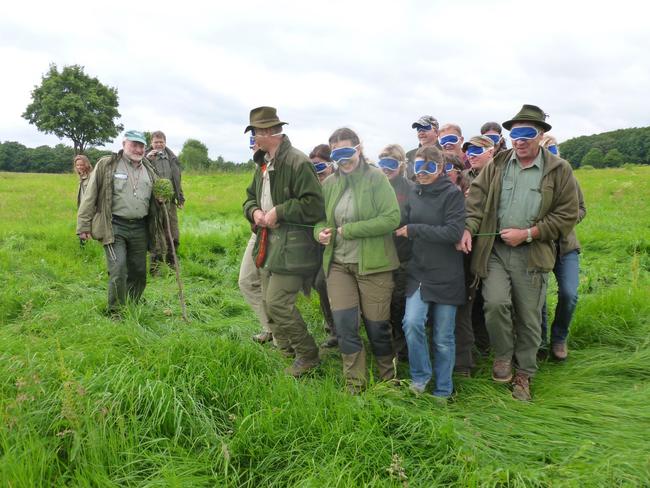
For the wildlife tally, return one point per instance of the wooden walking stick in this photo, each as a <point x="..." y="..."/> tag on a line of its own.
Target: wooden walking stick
<point x="163" y="190"/>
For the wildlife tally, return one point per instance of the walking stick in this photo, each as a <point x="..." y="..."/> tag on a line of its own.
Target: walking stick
<point x="162" y="190"/>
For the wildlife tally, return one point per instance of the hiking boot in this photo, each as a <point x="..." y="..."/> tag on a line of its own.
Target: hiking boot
<point x="417" y="388"/>
<point x="288" y="353"/>
<point x="263" y="337"/>
<point x="502" y="370"/>
<point x="464" y="372"/>
<point x="559" y="351"/>
<point x="302" y="366"/>
<point x="542" y="353"/>
<point x="521" y="387"/>
<point x="330" y="342"/>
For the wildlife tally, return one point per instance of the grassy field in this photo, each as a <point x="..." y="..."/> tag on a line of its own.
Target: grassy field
<point x="153" y="401"/>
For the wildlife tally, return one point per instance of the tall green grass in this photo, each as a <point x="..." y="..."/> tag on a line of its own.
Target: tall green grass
<point x="153" y="401"/>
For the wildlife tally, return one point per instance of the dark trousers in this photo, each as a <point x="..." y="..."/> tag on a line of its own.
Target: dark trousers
<point x="320" y="285"/>
<point x="156" y="257"/>
<point x="126" y="260"/>
<point x="397" y="309"/>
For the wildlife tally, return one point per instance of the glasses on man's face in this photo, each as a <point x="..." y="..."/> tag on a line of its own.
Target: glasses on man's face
<point x="450" y="139"/>
<point x="524" y="133"/>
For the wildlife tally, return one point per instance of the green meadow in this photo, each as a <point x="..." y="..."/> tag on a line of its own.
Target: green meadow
<point x="152" y="401"/>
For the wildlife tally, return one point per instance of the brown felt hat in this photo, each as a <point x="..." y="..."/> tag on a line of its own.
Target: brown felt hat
<point x="263" y="118"/>
<point x="532" y="114"/>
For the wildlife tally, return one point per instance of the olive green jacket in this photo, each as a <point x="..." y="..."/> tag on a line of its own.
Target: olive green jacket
<point x="95" y="212"/>
<point x="379" y="215"/>
<point x="298" y="199"/>
<point x="570" y="242"/>
<point x="557" y="216"/>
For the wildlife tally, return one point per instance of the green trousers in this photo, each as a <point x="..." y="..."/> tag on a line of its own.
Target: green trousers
<point x="126" y="260"/>
<point x="279" y="293"/>
<point x="513" y="306"/>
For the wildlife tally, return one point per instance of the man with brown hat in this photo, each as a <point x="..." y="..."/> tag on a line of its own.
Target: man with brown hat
<point x="283" y="201"/>
<point x="518" y="205"/>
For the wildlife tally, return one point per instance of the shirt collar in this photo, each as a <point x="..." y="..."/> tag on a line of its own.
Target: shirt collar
<point x="538" y="161"/>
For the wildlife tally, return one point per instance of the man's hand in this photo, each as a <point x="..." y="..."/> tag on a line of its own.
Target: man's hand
<point x="85" y="236"/>
<point x="514" y="237"/>
<point x="402" y="232"/>
<point x="324" y="236"/>
<point x="180" y="205"/>
<point x="258" y="218"/>
<point x="271" y="219"/>
<point x="465" y="243"/>
<point x="151" y="153"/>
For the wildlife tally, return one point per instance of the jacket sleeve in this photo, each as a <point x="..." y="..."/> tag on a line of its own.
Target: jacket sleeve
<point x="451" y="230"/>
<point x="563" y="215"/>
<point x="88" y="204"/>
<point x="582" y="210"/>
<point x="251" y="204"/>
<point x="307" y="205"/>
<point x="477" y="199"/>
<point x="387" y="213"/>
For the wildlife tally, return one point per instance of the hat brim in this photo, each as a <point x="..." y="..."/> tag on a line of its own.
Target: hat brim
<point x="264" y="125"/>
<point x="136" y="139"/>
<point x="509" y="123"/>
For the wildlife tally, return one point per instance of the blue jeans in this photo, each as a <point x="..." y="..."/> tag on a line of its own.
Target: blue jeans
<point x="566" y="272"/>
<point x="444" y="345"/>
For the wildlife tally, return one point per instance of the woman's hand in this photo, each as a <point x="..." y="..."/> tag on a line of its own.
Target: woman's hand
<point x="324" y="236"/>
<point x="402" y="232"/>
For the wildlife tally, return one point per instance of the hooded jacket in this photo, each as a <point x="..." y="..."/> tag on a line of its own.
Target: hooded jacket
<point x="435" y="221"/>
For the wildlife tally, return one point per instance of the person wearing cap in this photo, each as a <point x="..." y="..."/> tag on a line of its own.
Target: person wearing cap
<point x="283" y="201"/>
<point x="567" y="274"/>
<point x="470" y="320"/>
<point x="435" y="285"/>
<point x="320" y="158"/>
<point x="427" y="132"/>
<point x="392" y="161"/>
<point x="361" y="212"/>
<point x="450" y="139"/>
<point x="518" y="205"/>
<point x="494" y="131"/>
<point x="119" y="210"/>
<point x="167" y="166"/>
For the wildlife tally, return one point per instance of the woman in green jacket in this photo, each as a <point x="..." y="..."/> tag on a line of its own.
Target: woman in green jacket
<point x="361" y="213"/>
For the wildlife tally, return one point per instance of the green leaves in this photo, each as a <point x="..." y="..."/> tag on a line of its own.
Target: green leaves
<point x="73" y="105"/>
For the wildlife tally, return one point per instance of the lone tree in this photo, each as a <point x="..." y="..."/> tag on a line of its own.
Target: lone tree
<point x="72" y="104"/>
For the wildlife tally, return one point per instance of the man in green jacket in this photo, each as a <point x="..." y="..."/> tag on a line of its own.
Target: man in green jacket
<point x="517" y="206"/>
<point x="119" y="210"/>
<point x="283" y="202"/>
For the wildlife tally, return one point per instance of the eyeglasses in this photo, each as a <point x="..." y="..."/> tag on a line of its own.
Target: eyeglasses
<point x="343" y="154"/>
<point x="475" y="151"/>
<point x="523" y="133"/>
<point x="553" y="149"/>
<point x="320" y="166"/>
<point x="423" y="128"/>
<point x="449" y="139"/>
<point x="425" y="167"/>
<point x="388" y="164"/>
<point x="496" y="138"/>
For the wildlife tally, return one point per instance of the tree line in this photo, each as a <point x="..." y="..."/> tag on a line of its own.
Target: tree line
<point x="16" y="157"/>
<point x="609" y="149"/>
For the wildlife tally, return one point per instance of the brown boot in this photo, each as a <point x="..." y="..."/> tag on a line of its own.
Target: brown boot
<point x="302" y="366"/>
<point x="354" y="369"/>
<point x="386" y="367"/>
<point x="559" y="351"/>
<point x="502" y="370"/>
<point x="521" y="387"/>
<point x="263" y="337"/>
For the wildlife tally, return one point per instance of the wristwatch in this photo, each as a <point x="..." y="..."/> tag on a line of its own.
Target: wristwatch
<point x="529" y="238"/>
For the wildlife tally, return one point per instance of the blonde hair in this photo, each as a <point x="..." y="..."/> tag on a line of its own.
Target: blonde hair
<point x="548" y="140"/>
<point x="84" y="159"/>
<point x="452" y="127"/>
<point x="395" y="151"/>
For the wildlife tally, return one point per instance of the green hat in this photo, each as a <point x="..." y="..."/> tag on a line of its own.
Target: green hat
<point x="263" y="118"/>
<point x="135" y="136"/>
<point x="480" y="141"/>
<point x="529" y="113"/>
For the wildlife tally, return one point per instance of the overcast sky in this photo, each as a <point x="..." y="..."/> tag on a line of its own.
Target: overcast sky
<point x="195" y="70"/>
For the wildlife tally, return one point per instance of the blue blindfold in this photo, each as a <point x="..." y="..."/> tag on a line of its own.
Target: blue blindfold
<point x="342" y="154"/>
<point x="525" y="133"/>
<point x="449" y="139"/>
<point x="389" y="164"/>
<point x="553" y="149"/>
<point x="475" y="150"/>
<point x="423" y="128"/>
<point x="495" y="138"/>
<point x="320" y="167"/>
<point x="425" y="167"/>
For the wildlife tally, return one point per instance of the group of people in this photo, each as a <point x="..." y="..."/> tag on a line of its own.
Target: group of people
<point x="450" y="242"/>
<point x="117" y="206"/>
<point x="453" y="237"/>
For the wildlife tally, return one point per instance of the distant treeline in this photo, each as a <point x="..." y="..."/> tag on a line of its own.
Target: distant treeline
<point x="609" y="149"/>
<point x="16" y="157"/>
